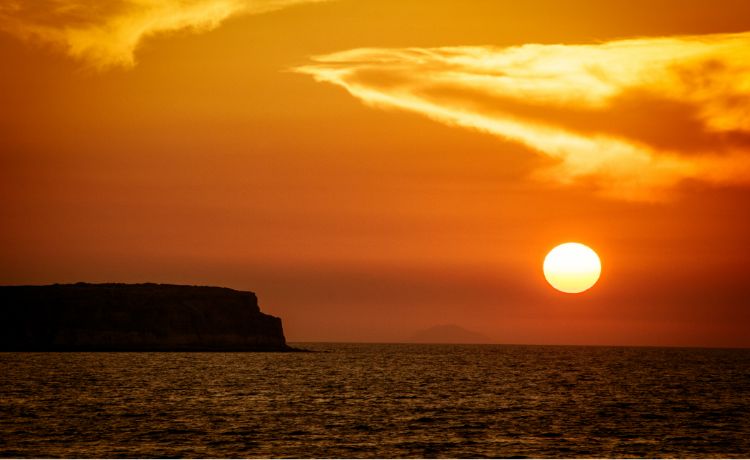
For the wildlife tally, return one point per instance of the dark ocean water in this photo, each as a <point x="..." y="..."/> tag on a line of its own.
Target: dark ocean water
<point x="379" y="401"/>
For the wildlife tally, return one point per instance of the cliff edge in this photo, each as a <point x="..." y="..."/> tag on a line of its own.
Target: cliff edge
<point x="135" y="317"/>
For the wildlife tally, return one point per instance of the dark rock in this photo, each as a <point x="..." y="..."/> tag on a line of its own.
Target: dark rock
<point x="135" y="317"/>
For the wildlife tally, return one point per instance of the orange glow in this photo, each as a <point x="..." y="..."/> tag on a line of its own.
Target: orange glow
<point x="504" y="92"/>
<point x="107" y="36"/>
<point x="374" y="168"/>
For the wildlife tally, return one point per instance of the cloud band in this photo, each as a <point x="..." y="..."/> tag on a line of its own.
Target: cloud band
<point x="106" y="34"/>
<point x="633" y="118"/>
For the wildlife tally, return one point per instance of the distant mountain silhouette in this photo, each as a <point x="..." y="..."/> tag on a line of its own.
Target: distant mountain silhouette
<point x="134" y="317"/>
<point x="448" y="333"/>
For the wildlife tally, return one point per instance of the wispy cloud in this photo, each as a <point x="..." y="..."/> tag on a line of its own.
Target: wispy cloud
<point x="106" y="34"/>
<point x="632" y="117"/>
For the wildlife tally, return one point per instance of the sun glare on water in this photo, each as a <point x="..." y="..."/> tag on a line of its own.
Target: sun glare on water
<point x="572" y="267"/>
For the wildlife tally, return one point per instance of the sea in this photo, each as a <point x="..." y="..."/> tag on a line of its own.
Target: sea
<point x="379" y="400"/>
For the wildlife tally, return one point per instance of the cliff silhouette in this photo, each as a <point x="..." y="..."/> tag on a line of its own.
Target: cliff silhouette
<point x="135" y="317"/>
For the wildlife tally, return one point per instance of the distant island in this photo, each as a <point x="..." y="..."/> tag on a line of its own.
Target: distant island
<point x="135" y="317"/>
<point x="448" y="333"/>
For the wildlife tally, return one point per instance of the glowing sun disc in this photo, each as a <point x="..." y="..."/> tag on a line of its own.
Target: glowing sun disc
<point x="572" y="267"/>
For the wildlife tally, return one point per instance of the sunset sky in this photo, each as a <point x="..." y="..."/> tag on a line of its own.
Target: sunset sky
<point x="373" y="168"/>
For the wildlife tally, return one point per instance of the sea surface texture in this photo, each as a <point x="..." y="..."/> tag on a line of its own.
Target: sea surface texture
<point x="351" y="400"/>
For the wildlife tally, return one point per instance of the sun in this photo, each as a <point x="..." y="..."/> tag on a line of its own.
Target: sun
<point x="572" y="267"/>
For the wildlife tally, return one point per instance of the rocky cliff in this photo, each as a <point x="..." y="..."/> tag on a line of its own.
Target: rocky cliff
<point x="134" y="317"/>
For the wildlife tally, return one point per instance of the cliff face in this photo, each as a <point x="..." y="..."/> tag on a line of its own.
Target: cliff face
<point x="135" y="317"/>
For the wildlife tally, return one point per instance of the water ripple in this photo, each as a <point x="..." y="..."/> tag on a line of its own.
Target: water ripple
<point x="379" y="401"/>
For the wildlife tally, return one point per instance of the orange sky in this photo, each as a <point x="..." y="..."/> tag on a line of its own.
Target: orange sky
<point x="372" y="168"/>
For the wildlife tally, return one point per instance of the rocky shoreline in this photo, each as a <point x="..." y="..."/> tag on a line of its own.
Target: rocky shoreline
<point x="135" y="317"/>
